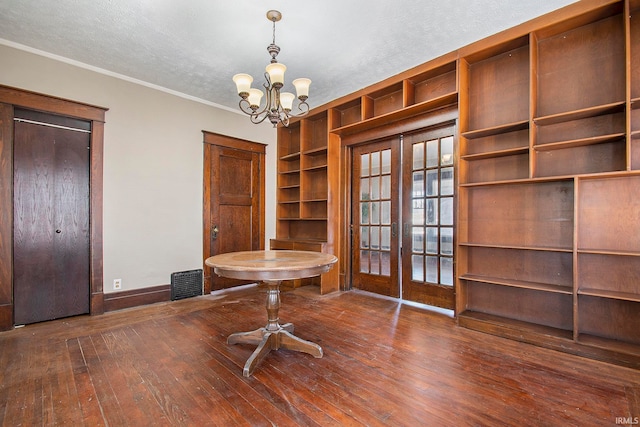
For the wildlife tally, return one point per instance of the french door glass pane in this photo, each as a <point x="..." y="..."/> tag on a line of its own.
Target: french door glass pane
<point x="386" y="187"/>
<point x="432" y="182"/>
<point x="417" y="214"/>
<point x="374" y="216"/>
<point x="364" y="261"/>
<point x="375" y="237"/>
<point x="417" y="239"/>
<point x="431" y="273"/>
<point x="386" y="162"/>
<point x="418" y="156"/>
<point x="364" y="165"/>
<point x="446" y="271"/>
<point x="432" y="211"/>
<point x="365" y="193"/>
<point x="446" y="211"/>
<point x="446" y="241"/>
<point x="418" y="184"/>
<point x="446" y="176"/>
<point x="385" y="238"/>
<point x="385" y="212"/>
<point x="432" y="153"/>
<point x="364" y="237"/>
<point x="364" y="212"/>
<point x="432" y="240"/>
<point x="446" y="151"/>
<point x="375" y="187"/>
<point x="374" y="260"/>
<point x="375" y="163"/>
<point x="417" y="268"/>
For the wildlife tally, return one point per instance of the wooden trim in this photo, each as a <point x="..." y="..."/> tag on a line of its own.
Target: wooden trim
<point x="425" y="120"/>
<point x="6" y="216"/>
<point x="136" y="297"/>
<point x="51" y="104"/>
<point x="10" y="97"/>
<point x="231" y="142"/>
<point x="257" y="148"/>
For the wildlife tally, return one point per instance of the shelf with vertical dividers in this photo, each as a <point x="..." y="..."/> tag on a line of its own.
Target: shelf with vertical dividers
<point x="494" y="141"/>
<point x="303" y="192"/>
<point x="414" y="95"/>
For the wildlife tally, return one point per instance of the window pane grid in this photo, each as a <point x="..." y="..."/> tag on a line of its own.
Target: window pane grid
<point x="432" y="211"/>
<point x="375" y="213"/>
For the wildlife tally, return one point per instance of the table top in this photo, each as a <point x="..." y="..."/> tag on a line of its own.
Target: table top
<point x="271" y="265"/>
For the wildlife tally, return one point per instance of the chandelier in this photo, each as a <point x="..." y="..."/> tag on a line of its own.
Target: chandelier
<point x="278" y="104"/>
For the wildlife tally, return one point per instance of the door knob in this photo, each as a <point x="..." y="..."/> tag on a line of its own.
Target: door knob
<point x="58" y="231"/>
<point x="214" y="232"/>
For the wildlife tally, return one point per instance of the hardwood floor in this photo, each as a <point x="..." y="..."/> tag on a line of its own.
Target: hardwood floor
<point x="384" y="364"/>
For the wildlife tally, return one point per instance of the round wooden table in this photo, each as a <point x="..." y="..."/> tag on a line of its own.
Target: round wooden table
<point x="271" y="267"/>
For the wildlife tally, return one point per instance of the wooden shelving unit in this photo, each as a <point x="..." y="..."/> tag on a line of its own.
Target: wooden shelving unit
<point x="548" y="206"/>
<point x="548" y="161"/>
<point x="303" y="193"/>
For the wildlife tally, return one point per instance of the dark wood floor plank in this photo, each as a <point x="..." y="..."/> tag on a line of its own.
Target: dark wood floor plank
<point x="87" y="398"/>
<point x="384" y="364"/>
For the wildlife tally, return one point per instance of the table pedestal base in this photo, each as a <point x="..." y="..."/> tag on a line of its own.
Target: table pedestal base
<point x="273" y="336"/>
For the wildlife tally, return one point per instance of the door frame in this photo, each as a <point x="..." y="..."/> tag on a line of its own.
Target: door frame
<point x="211" y="138"/>
<point x="13" y="97"/>
<point x="429" y="119"/>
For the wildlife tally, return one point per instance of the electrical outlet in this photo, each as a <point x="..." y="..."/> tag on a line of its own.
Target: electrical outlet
<point x="117" y="284"/>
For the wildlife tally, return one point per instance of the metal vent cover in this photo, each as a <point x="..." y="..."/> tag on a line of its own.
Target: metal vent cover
<point x="186" y="284"/>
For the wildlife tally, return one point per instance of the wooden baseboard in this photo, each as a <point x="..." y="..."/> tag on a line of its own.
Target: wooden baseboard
<point x="6" y="317"/>
<point x="126" y="299"/>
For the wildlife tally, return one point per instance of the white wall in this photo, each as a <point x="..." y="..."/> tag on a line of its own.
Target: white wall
<point x="152" y="164"/>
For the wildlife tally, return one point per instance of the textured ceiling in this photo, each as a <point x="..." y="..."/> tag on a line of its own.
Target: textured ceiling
<point x="194" y="47"/>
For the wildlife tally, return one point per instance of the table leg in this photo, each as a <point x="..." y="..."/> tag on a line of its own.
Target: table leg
<point x="273" y="336"/>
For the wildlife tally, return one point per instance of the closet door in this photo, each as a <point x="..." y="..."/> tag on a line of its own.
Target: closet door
<point x="428" y="217"/>
<point x="375" y="214"/>
<point x="51" y="217"/>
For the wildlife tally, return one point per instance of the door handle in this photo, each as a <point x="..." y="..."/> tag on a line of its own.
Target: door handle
<point x="406" y="229"/>
<point x="394" y="229"/>
<point x="214" y="232"/>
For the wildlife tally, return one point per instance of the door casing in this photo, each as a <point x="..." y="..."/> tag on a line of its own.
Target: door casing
<point x="216" y="145"/>
<point x="12" y="97"/>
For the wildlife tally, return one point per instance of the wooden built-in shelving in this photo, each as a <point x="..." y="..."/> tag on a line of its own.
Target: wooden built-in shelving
<point x="548" y="163"/>
<point x="548" y="201"/>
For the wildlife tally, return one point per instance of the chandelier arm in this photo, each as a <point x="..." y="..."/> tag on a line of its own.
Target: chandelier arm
<point x="245" y="107"/>
<point x="256" y="119"/>
<point x="303" y="111"/>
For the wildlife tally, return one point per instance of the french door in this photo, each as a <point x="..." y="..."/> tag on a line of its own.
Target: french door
<point x="428" y="217"/>
<point x="375" y="217"/>
<point x="403" y="204"/>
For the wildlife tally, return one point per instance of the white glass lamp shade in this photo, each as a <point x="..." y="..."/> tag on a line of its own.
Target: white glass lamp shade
<point x="276" y="73"/>
<point x="243" y="83"/>
<point x="255" y="95"/>
<point x="302" y="88"/>
<point x="286" y="100"/>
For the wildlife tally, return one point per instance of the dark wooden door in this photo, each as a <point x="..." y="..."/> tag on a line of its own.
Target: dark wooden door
<point x="428" y="217"/>
<point x="375" y="201"/>
<point x="234" y="201"/>
<point x="51" y="218"/>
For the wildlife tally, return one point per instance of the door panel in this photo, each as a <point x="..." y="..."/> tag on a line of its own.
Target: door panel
<point x="375" y="217"/>
<point x="51" y="222"/>
<point x="233" y="202"/>
<point x="428" y="217"/>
